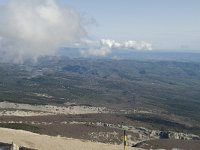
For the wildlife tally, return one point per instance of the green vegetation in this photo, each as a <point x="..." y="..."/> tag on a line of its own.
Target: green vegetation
<point x="168" y="86"/>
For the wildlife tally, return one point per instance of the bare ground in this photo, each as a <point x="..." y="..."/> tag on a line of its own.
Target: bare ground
<point x="44" y="142"/>
<point x="71" y="121"/>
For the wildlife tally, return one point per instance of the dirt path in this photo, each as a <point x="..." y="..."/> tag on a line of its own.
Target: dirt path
<point x="43" y="142"/>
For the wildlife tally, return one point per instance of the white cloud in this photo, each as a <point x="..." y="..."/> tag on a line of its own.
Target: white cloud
<point x="106" y="46"/>
<point x="135" y="45"/>
<point x="33" y="28"/>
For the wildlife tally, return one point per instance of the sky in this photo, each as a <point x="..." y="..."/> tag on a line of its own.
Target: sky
<point x="159" y="25"/>
<point x="167" y="24"/>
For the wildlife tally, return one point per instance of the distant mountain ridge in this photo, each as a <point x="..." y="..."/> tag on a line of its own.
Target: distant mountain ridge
<point x="138" y="55"/>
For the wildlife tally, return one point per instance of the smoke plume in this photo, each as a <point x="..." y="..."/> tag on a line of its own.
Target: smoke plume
<point x="33" y="28"/>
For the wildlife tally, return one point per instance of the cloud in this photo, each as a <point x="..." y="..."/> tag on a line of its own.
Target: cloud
<point x="33" y="28"/>
<point x="107" y="46"/>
